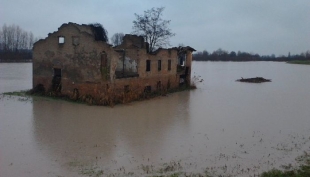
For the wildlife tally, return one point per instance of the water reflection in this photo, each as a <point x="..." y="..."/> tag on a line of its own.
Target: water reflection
<point x="126" y="135"/>
<point x="15" y="76"/>
<point x="222" y="123"/>
<point x="17" y="147"/>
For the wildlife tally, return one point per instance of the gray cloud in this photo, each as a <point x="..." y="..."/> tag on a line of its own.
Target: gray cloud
<point x="264" y="27"/>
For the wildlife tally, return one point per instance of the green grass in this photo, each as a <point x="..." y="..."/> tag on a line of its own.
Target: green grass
<point x="92" y="172"/>
<point x="302" y="171"/>
<point x="175" y="169"/>
<point x="22" y="93"/>
<point x="303" y="62"/>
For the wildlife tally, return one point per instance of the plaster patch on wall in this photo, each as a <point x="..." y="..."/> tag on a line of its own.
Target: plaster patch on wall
<point x="130" y="65"/>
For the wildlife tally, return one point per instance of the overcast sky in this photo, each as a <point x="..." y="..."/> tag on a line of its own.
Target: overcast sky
<point x="258" y="26"/>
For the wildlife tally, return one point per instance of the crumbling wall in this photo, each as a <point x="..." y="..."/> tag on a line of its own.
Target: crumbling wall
<point x="164" y="55"/>
<point x="79" y="57"/>
<point x="133" y="41"/>
<point x="134" y="49"/>
<point x="189" y="65"/>
<point x="127" y="64"/>
<point x="89" y="69"/>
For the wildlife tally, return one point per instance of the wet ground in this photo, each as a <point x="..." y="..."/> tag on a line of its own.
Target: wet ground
<point x="224" y="127"/>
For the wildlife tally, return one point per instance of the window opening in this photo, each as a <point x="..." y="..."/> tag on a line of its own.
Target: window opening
<point x="57" y="72"/>
<point x="148" y="65"/>
<point x="182" y="59"/>
<point x="61" y="40"/>
<point x="159" y="65"/>
<point x="169" y="65"/>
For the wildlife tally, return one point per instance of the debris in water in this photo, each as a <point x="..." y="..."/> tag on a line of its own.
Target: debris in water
<point x="254" y="80"/>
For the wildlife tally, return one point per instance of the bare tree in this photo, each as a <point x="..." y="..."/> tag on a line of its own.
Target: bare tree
<point x="5" y="37"/>
<point x="10" y="37"/>
<point x="14" y="38"/>
<point x="15" y="43"/>
<point x="17" y="38"/>
<point x="24" y="40"/>
<point x="153" y="28"/>
<point x="117" y="39"/>
<point x="30" y="40"/>
<point x="1" y="40"/>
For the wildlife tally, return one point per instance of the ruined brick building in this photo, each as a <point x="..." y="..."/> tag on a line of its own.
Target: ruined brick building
<point x="71" y="61"/>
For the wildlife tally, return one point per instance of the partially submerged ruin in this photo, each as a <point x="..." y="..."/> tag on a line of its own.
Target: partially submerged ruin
<point x="71" y="62"/>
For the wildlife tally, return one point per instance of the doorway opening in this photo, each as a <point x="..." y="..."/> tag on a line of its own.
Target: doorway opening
<point x="56" y="82"/>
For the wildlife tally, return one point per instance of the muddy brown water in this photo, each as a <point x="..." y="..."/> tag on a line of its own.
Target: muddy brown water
<point x="224" y="127"/>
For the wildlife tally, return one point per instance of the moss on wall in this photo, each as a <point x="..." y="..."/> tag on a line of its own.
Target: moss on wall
<point x="105" y="73"/>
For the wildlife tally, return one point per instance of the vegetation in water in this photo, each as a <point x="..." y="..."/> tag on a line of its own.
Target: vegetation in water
<point x="22" y="93"/>
<point x="109" y="97"/>
<point x="303" y="170"/>
<point x="175" y="169"/>
<point x="92" y="172"/>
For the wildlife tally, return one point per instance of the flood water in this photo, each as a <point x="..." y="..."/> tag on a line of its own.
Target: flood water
<point x="223" y="127"/>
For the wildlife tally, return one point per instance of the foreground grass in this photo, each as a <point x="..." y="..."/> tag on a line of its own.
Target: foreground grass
<point x="169" y="171"/>
<point x="22" y="93"/>
<point x="302" y="171"/>
<point x="175" y="169"/>
<point x="303" y="62"/>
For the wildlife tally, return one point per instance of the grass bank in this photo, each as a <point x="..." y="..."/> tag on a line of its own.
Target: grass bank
<point x="22" y="93"/>
<point x="302" y="62"/>
<point x="111" y="98"/>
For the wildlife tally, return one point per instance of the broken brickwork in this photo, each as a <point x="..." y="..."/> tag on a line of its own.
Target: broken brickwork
<point x="71" y="62"/>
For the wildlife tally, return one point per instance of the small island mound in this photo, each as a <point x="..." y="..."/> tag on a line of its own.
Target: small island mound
<point x="254" y="80"/>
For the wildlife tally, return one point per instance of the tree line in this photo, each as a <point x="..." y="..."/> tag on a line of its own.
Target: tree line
<point x="15" y="43"/>
<point x="223" y="55"/>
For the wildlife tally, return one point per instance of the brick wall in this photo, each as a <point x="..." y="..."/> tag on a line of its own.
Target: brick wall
<point x="89" y="66"/>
